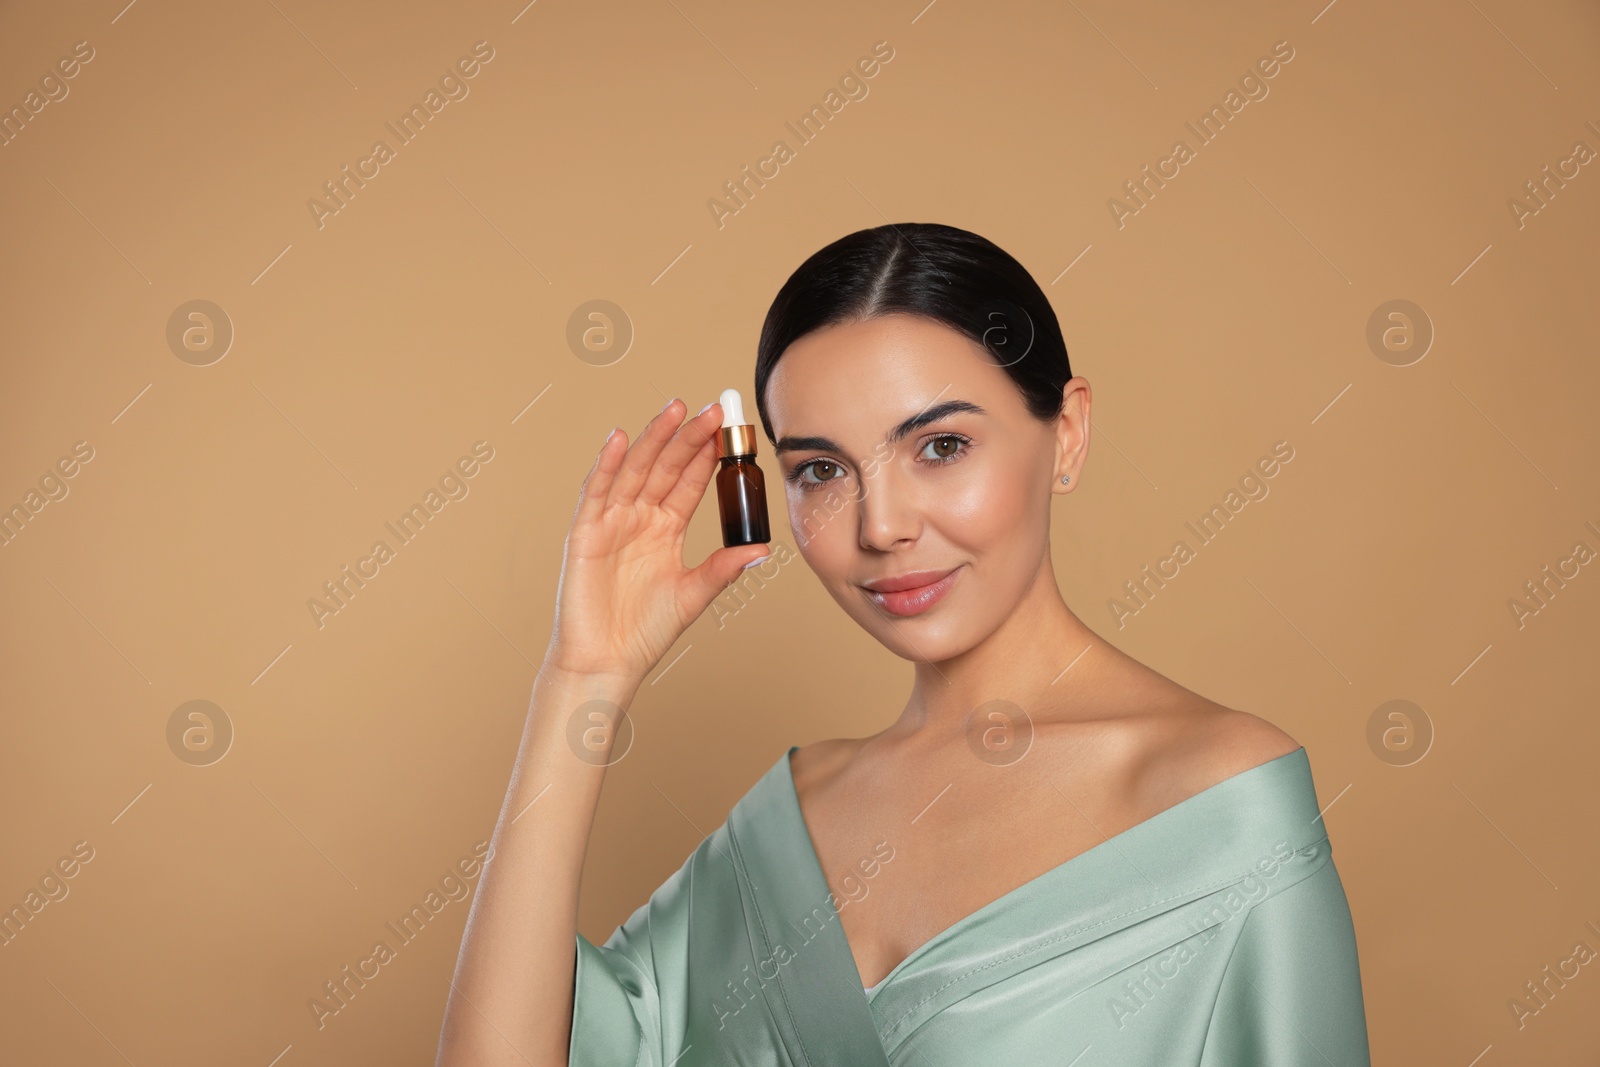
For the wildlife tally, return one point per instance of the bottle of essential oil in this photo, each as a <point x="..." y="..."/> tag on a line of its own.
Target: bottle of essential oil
<point x="741" y="489"/>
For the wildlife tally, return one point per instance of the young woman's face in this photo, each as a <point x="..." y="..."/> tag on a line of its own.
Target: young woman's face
<point x="967" y="492"/>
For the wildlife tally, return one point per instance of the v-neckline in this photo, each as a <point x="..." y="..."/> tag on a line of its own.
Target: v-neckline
<point x="792" y="797"/>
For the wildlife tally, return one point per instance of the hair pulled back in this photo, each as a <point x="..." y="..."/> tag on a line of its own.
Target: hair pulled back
<point x="943" y="273"/>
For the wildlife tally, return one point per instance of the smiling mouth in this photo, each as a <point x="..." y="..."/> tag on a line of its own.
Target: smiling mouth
<point x="915" y="600"/>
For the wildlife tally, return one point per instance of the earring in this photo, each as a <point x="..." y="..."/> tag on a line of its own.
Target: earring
<point x="1064" y="478"/>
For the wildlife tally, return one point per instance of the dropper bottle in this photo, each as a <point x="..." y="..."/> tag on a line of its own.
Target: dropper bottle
<point x="741" y="489"/>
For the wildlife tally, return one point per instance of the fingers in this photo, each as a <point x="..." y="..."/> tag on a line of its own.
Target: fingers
<point x="592" y="496"/>
<point x="720" y="568"/>
<point x="630" y="477"/>
<point x="684" y="447"/>
<point x="686" y="495"/>
<point x="690" y="488"/>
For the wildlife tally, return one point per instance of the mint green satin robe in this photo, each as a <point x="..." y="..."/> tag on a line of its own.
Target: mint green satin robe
<point x="1215" y="933"/>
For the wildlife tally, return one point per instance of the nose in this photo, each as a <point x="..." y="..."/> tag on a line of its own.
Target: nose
<point x="889" y="513"/>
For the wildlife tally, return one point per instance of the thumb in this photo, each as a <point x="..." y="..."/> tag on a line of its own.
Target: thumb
<point x="723" y="567"/>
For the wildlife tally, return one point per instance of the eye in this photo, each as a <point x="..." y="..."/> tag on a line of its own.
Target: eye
<point x="825" y="470"/>
<point x="947" y="448"/>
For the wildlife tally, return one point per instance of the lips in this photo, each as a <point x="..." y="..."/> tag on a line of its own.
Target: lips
<point x="913" y="593"/>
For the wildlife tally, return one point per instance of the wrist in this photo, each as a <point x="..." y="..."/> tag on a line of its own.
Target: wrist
<point x="600" y="680"/>
<point x="584" y="707"/>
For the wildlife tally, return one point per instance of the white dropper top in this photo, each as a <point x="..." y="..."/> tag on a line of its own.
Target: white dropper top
<point x="732" y="408"/>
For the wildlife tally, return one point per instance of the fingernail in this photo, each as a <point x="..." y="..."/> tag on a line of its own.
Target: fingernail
<point x="753" y="562"/>
<point x="705" y="409"/>
<point x="611" y="434"/>
<point x="669" y="403"/>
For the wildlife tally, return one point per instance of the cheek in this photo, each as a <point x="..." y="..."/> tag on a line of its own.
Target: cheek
<point x="987" y="506"/>
<point x="823" y="525"/>
<point x="829" y="542"/>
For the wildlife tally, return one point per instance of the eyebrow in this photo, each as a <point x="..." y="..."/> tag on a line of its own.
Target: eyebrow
<point x="911" y="425"/>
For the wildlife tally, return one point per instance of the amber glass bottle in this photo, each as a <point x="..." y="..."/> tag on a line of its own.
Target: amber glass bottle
<point x="741" y="488"/>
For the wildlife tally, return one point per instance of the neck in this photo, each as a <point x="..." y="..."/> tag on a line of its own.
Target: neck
<point x="1041" y="656"/>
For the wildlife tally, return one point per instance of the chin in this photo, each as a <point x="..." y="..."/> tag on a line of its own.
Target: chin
<point x="930" y="650"/>
<point x="933" y="637"/>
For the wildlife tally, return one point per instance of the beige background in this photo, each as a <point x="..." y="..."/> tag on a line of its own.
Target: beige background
<point x="1230" y="313"/>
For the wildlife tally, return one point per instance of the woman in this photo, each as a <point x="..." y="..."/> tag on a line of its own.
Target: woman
<point x="1054" y="854"/>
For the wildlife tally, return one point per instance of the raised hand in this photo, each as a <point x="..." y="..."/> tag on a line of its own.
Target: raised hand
<point x="625" y="594"/>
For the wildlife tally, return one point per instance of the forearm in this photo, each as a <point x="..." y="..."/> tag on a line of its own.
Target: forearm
<point x="511" y="998"/>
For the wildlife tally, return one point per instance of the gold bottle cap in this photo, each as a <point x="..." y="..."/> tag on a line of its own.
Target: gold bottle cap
<point x="737" y="440"/>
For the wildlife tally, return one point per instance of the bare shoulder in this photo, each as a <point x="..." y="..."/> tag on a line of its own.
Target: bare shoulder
<point x="1203" y="744"/>
<point x="1240" y="741"/>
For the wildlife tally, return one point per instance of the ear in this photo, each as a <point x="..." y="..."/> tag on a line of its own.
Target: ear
<point x="1072" y="435"/>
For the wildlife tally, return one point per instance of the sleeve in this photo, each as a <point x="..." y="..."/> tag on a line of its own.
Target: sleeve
<point x="1290" y="994"/>
<point x="616" y="1009"/>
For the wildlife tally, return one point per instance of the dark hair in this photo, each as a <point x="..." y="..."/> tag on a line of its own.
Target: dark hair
<point x="950" y="275"/>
